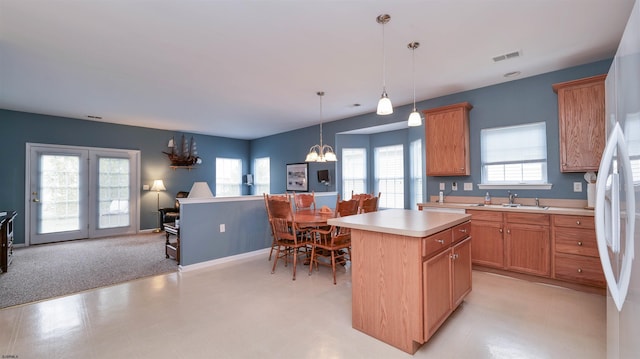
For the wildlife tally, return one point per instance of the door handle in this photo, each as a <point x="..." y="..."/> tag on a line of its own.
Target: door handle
<point x="35" y="197"/>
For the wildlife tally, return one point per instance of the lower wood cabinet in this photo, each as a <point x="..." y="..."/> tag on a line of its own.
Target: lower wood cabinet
<point x="561" y="247"/>
<point x="404" y="288"/>
<point x="527" y="243"/>
<point x="447" y="280"/>
<point x="576" y="257"/>
<point x="488" y="241"/>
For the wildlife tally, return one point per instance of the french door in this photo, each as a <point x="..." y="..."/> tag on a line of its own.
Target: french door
<point x="79" y="192"/>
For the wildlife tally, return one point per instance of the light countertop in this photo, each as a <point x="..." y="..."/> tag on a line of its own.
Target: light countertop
<point x="523" y="208"/>
<point x="405" y="222"/>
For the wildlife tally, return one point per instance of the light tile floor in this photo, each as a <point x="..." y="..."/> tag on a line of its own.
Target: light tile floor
<point x="241" y="310"/>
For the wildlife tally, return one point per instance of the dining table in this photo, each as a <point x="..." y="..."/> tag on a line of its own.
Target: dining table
<point x="313" y="217"/>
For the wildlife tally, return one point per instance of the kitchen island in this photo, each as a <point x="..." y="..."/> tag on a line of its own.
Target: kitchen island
<point x="410" y="271"/>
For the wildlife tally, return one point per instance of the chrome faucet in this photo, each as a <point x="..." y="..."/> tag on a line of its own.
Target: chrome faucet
<point x="537" y="202"/>
<point x="512" y="197"/>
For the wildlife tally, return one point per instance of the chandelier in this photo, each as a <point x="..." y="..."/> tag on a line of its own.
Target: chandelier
<point x="321" y="153"/>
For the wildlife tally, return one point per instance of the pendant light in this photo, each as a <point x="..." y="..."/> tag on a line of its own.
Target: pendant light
<point x="321" y="153"/>
<point x="414" y="118"/>
<point x="384" y="105"/>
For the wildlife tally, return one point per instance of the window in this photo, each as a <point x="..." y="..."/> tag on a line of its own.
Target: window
<point x="415" y="154"/>
<point x="389" y="167"/>
<point x="262" y="175"/>
<point x="354" y="171"/>
<point x="228" y="177"/>
<point x="514" y="155"/>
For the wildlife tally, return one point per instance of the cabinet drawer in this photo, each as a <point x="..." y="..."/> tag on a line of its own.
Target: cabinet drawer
<point x="461" y="231"/>
<point x="574" y="221"/>
<point x="579" y="269"/>
<point x="576" y="241"/>
<point x="527" y="218"/>
<point x="436" y="242"/>
<point x="480" y="215"/>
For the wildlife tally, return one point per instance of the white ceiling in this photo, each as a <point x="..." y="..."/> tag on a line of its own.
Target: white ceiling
<point x="247" y="69"/>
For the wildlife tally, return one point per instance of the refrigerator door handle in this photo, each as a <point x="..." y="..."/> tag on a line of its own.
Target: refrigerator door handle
<point x="608" y="215"/>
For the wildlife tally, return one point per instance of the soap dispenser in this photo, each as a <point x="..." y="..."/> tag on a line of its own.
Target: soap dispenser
<point x="487" y="198"/>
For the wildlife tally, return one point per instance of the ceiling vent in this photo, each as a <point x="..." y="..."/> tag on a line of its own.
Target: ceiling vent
<point x="508" y="56"/>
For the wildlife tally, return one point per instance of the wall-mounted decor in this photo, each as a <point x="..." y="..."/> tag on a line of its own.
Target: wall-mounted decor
<point x="298" y="177"/>
<point x="183" y="154"/>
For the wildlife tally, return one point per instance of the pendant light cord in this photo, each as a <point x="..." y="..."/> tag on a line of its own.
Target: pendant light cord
<point x="413" y="71"/>
<point x="384" y="63"/>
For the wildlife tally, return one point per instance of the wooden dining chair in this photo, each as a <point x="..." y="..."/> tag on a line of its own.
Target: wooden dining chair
<point x="334" y="244"/>
<point x="369" y="204"/>
<point x="304" y="200"/>
<point x="267" y="197"/>
<point x="290" y="239"/>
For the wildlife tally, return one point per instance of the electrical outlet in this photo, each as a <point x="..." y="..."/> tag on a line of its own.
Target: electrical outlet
<point x="577" y="186"/>
<point x="145" y="187"/>
<point x="454" y="186"/>
<point x="222" y="228"/>
<point x="442" y="186"/>
<point x="468" y="186"/>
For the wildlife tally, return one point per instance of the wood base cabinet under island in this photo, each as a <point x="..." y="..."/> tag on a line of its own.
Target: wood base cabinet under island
<point x="410" y="271"/>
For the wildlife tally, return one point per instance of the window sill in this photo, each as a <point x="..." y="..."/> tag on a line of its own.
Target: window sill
<point x="542" y="186"/>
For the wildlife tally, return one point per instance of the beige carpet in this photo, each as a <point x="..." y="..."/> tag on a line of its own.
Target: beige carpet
<point x="51" y="270"/>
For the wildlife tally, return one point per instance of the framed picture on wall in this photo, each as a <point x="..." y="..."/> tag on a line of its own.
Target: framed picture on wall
<point x="298" y="177"/>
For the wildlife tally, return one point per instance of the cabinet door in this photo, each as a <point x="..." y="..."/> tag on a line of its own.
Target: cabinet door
<point x="581" y="119"/>
<point x="528" y="249"/>
<point x="437" y="291"/>
<point x="461" y="272"/>
<point x="447" y="140"/>
<point x="488" y="244"/>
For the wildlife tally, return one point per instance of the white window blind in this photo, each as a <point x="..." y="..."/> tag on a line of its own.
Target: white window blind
<point x="262" y="175"/>
<point x="514" y="154"/>
<point x="228" y="177"/>
<point x="389" y="174"/>
<point x="415" y="154"/>
<point x="354" y="171"/>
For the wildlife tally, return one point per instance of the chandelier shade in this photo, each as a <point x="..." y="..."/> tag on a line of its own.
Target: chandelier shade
<point x="321" y="152"/>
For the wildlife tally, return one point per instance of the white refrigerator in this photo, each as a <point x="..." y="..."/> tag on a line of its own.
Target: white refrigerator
<point x="617" y="204"/>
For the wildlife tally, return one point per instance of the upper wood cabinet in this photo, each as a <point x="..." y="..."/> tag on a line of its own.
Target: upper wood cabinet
<point x="581" y="123"/>
<point x="447" y="140"/>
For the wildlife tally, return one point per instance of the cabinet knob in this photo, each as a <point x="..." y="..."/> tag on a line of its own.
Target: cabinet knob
<point x="463" y="230"/>
<point x="579" y="270"/>
<point x="441" y="241"/>
<point x="579" y="243"/>
<point x="508" y="231"/>
<point x="500" y="230"/>
<point x="578" y="222"/>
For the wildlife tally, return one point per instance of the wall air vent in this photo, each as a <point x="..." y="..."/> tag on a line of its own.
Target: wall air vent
<point x="510" y="55"/>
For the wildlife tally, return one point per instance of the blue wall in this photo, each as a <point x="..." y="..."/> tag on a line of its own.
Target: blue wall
<point x="18" y="128"/>
<point x="522" y="101"/>
<point x="526" y="100"/>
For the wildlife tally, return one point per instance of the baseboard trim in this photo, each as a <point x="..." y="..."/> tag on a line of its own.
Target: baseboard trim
<point x="229" y="259"/>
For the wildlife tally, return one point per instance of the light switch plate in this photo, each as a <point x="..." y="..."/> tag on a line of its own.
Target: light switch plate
<point x="222" y="228"/>
<point x="145" y="187"/>
<point x="454" y="186"/>
<point x="577" y="186"/>
<point x="468" y="186"/>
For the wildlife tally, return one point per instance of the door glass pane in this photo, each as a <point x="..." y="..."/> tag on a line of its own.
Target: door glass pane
<point x="113" y="198"/>
<point x="59" y="193"/>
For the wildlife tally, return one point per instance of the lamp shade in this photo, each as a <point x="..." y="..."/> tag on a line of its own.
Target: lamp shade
<point x="384" y="105"/>
<point x="200" y="190"/>
<point x="415" y="119"/>
<point x="158" y="186"/>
